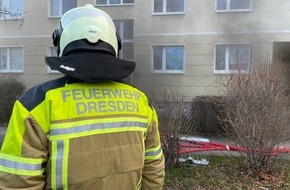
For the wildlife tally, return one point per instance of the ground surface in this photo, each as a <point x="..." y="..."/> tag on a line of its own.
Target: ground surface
<point x="226" y="173"/>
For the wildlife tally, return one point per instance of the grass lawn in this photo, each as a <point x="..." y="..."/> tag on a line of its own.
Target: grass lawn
<point x="226" y="173"/>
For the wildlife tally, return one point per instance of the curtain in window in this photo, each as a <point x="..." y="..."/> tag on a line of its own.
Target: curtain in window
<point x="3" y="58"/>
<point x="16" y="61"/>
<point x="157" y="57"/>
<point x="220" y="58"/>
<point x="239" y="57"/>
<point x="232" y="57"/>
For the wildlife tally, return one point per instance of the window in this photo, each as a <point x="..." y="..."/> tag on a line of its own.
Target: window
<point x="168" y="59"/>
<point x="11" y="59"/>
<point x="233" y="5"/>
<point x="168" y="6"/>
<point x="11" y="9"/>
<point x="114" y="2"/>
<point x="231" y="58"/>
<point x="51" y="52"/>
<point x="125" y="29"/>
<point x="59" y="7"/>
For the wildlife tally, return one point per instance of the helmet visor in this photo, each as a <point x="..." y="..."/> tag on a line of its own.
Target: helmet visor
<point x="85" y="12"/>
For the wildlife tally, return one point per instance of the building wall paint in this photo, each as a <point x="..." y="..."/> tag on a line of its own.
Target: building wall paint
<point x="199" y="29"/>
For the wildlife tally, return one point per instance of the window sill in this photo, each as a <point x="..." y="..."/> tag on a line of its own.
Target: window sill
<point x="11" y="71"/>
<point x="168" y="13"/>
<point x="54" y="17"/>
<point x="233" y="11"/>
<point x="167" y="72"/>
<point x="230" y="72"/>
<point x="115" y="5"/>
<point x="11" y="18"/>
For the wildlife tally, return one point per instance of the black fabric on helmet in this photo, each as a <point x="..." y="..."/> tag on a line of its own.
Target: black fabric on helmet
<point x="92" y="66"/>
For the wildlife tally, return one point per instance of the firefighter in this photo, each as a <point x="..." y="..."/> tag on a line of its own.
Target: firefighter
<point x="87" y="129"/>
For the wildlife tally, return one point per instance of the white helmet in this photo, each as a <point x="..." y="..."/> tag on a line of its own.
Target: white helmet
<point x="88" y="46"/>
<point x="86" y="28"/>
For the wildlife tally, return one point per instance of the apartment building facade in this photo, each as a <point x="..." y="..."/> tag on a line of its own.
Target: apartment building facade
<point x="178" y="45"/>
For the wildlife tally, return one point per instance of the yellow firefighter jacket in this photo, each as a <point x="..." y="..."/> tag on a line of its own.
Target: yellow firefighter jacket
<point x="82" y="136"/>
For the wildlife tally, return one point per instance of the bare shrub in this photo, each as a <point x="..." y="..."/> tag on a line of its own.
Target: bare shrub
<point x="206" y="114"/>
<point x="173" y="123"/>
<point x="254" y="113"/>
<point x="11" y="89"/>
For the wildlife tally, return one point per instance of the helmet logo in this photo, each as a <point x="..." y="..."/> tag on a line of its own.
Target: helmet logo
<point x="67" y="68"/>
<point x="93" y="31"/>
<point x="92" y="35"/>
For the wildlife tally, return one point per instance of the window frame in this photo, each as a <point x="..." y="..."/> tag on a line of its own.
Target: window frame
<point x="164" y="9"/>
<point x="163" y="70"/>
<point x="22" y="61"/>
<point x="227" y="54"/>
<point x="228" y="9"/>
<point x="9" y="17"/>
<point x="121" y="35"/>
<point x="49" y="54"/>
<point x="49" y="11"/>
<point x="108" y="4"/>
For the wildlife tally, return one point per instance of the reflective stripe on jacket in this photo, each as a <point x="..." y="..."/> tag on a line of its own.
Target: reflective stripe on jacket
<point x="78" y="135"/>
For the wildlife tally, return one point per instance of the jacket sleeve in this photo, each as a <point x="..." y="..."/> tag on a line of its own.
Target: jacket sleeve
<point x="154" y="168"/>
<point x="23" y="153"/>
